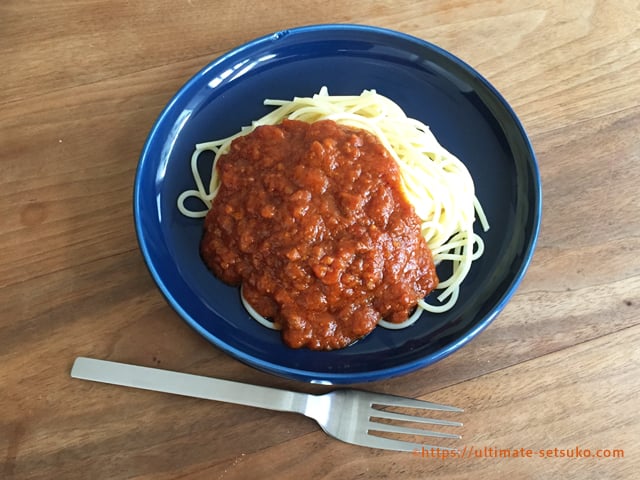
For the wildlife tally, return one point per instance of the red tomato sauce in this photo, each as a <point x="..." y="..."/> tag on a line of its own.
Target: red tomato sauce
<point x="311" y="219"/>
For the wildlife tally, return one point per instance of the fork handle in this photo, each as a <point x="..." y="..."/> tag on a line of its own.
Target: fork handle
<point x="188" y="385"/>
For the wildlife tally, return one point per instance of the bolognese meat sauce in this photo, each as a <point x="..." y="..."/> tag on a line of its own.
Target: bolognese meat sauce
<point x="312" y="221"/>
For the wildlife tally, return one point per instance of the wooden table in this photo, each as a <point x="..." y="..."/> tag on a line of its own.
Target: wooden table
<point x="559" y="370"/>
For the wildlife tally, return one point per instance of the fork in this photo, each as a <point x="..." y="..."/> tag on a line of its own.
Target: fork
<point x="344" y="414"/>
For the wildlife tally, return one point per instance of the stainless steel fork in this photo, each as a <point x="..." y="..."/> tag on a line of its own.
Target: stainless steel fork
<point x="345" y="414"/>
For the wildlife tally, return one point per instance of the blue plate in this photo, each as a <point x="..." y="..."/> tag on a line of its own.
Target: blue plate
<point x="467" y="115"/>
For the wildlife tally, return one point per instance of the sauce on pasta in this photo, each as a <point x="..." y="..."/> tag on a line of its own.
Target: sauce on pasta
<point x="312" y="220"/>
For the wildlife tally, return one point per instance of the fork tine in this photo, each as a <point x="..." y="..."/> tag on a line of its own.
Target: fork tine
<point x="413" y="418"/>
<point x="386" y="427"/>
<point x="397" y="401"/>
<point x="374" y="441"/>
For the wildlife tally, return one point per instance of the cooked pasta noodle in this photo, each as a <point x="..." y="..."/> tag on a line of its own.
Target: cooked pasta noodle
<point x="437" y="183"/>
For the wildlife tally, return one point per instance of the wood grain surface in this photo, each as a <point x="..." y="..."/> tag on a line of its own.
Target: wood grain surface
<point x="83" y="81"/>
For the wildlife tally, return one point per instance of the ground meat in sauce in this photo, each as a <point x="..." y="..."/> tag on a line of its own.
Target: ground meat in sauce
<point x="312" y="221"/>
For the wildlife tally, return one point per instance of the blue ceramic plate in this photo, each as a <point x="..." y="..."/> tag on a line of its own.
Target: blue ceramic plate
<point x="467" y="115"/>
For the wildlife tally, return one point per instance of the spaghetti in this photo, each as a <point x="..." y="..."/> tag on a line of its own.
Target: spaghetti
<point x="435" y="182"/>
